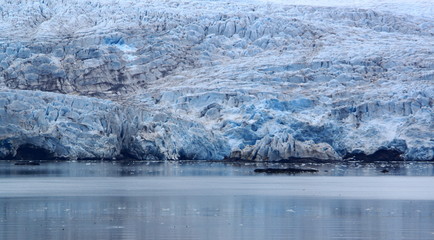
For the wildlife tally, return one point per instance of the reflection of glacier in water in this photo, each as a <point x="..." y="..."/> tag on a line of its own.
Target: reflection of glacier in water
<point x="207" y="168"/>
<point x="194" y="201"/>
<point x="218" y="217"/>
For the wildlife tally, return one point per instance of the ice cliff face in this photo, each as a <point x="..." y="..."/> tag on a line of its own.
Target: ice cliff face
<point x="74" y="127"/>
<point x="214" y="79"/>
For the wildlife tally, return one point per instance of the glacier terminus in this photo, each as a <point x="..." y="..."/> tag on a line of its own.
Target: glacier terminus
<point x="213" y="80"/>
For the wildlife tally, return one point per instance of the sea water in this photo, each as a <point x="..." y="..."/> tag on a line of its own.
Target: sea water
<point x="212" y="200"/>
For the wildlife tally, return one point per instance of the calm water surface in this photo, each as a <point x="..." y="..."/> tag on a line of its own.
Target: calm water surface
<point x="185" y="200"/>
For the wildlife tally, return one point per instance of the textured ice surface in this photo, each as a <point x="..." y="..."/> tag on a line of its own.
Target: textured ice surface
<point x="262" y="80"/>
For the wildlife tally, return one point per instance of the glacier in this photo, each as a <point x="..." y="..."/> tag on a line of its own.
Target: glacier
<point x="213" y="80"/>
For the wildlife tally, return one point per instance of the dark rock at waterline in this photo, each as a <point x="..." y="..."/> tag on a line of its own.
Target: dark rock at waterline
<point x="27" y="163"/>
<point x="379" y="155"/>
<point x="286" y="160"/>
<point x="285" y="170"/>
<point x="30" y="152"/>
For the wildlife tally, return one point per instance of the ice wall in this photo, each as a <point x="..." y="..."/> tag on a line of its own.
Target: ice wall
<point x="214" y="79"/>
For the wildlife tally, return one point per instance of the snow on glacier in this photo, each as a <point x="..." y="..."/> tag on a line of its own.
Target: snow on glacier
<point x="423" y="8"/>
<point x="257" y="80"/>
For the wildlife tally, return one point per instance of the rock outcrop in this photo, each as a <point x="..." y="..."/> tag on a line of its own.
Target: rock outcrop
<point x="162" y="80"/>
